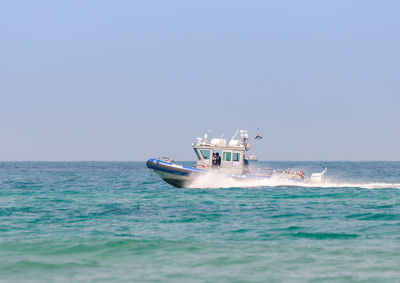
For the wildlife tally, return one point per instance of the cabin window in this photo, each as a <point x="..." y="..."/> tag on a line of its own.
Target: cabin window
<point x="197" y="154"/>
<point x="227" y="156"/>
<point x="236" y="156"/>
<point x="205" y="153"/>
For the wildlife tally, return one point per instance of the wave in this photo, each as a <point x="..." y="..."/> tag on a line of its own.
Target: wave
<point x="212" y="180"/>
<point x="323" y="235"/>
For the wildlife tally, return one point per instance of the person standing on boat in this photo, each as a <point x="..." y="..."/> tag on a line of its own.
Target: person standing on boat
<point x="214" y="159"/>
<point x="217" y="159"/>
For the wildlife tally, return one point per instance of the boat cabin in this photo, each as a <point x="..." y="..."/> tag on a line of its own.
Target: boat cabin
<point x="232" y="154"/>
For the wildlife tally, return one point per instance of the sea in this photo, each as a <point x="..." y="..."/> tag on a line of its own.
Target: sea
<point x="119" y="222"/>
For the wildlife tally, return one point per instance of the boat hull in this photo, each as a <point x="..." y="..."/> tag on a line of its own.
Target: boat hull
<point x="175" y="180"/>
<point x="182" y="177"/>
<point x="176" y="175"/>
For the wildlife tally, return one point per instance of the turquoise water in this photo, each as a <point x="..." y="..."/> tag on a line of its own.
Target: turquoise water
<point x="117" y="221"/>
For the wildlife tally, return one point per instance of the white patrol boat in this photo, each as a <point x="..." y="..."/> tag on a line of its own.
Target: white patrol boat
<point x="251" y="157"/>
<point x="221" y="157"/>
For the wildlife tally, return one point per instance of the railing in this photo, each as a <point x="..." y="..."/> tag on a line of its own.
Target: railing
<point x="289" y="173"/>
<point x="166" y="159"/>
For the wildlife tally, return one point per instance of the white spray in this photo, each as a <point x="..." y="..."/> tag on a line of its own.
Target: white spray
<point x="214" y="180"/>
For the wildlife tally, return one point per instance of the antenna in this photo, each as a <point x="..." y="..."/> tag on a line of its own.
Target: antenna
<point x="206" y="136"/>
<point x="234" y="135"/>
<point x="244" y="135"/>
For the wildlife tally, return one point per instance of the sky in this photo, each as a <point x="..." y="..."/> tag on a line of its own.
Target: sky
<point x="129" y="80"/>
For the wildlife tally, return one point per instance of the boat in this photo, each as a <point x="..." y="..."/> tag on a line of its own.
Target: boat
<point x="223" y="158"/>
<point x="251" y="157"/>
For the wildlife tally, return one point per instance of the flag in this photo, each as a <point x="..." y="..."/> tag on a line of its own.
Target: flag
<point x="258" y="137"/>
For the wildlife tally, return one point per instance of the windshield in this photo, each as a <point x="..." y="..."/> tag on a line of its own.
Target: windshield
<point x="197" y="154"/>
<point x="205" y="153"/>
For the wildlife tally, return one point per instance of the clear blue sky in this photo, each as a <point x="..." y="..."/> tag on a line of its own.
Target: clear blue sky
<point x="129" y="80"/>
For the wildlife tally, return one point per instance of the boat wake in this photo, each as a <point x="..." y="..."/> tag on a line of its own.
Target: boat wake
<point x="213" y="181"/>
<point x="370" y="186"/>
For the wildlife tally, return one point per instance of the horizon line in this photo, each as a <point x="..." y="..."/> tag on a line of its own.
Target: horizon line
<point x="280" y="160"/>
